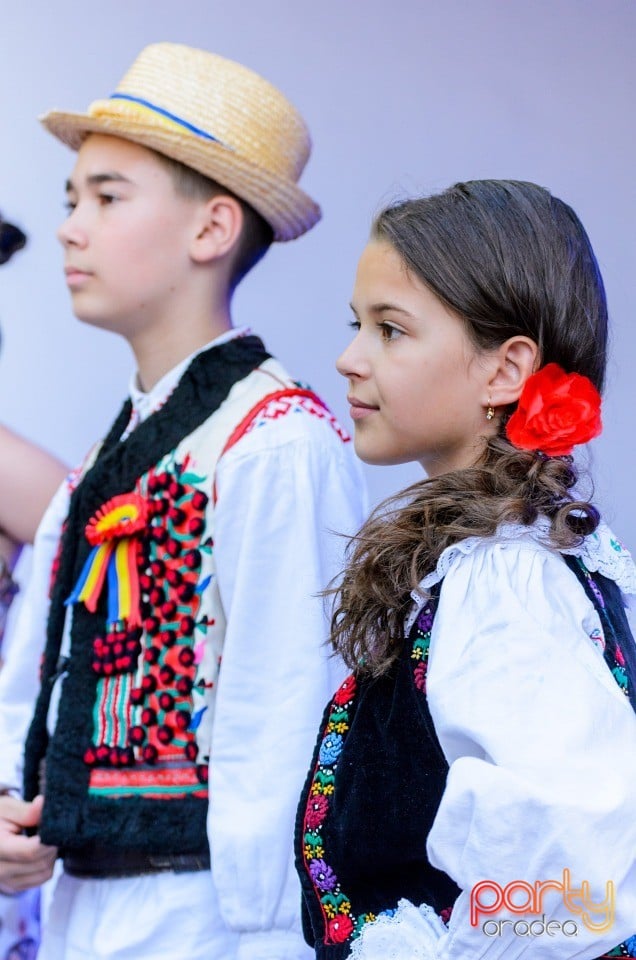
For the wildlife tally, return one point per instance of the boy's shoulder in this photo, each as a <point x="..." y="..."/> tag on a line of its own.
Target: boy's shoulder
<point x="280" y="411"/>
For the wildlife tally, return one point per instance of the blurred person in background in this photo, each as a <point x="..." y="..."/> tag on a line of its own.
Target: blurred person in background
<point x="29" y="477"/>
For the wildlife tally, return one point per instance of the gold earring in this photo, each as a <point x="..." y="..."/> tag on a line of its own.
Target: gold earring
<point x="490" y="412"/>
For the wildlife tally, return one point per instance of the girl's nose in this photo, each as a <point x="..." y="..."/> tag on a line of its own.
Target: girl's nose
<point x="351" y="362"/>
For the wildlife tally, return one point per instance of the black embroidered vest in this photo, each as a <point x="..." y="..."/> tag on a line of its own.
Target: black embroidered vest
<point x="376" y="781"/>
<point x="73" y="819"/>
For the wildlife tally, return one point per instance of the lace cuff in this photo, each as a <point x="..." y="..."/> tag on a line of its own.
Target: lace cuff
<point x="410" y="933"/>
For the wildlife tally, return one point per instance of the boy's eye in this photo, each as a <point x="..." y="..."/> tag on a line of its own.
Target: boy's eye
<point x="69" y="205"/>
<point x="106" y="198"/>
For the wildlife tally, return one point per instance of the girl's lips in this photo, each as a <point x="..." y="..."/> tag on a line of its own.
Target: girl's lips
<point x="359" y="410"/>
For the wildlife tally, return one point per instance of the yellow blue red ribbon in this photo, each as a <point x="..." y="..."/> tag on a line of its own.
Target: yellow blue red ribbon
<point x="113" y="559"/>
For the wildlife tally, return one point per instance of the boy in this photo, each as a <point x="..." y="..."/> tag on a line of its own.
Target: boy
<point x="196" y="532"/>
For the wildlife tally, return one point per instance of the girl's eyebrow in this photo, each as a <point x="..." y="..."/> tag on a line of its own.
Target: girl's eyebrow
<point x="383" y="306"/>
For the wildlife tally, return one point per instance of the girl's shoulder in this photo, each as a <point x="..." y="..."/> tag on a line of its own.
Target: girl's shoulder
<point x="600" y="552"/>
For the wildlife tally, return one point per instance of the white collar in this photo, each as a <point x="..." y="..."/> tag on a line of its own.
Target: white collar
<point x="146" y="402"/>
<point x="600" y="551"/>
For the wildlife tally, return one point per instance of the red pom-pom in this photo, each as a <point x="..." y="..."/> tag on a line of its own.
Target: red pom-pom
<point x="182" y="719"/>
<point x="196" y="526"/>
<point x="202" y="772"/>
<point x="165" y="734"/>
<point x="166" y="674"/>
<point x="173" y="548"/>
<point x="186" y="657"/>
<point x="137" y="735"/>
<point x="150" y="753"/>
<point x="199" y="500"/>
<point x="192" y="559"/>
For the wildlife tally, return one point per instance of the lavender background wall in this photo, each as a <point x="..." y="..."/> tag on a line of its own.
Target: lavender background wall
<point x="400" y="97"/>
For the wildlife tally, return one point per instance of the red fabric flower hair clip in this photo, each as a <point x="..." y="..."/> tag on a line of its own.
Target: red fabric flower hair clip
<point x="556" y="411"/>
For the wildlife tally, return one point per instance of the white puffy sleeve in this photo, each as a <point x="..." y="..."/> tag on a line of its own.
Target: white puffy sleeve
<point x="284" y="495"/>
<point x="541" y="745"/>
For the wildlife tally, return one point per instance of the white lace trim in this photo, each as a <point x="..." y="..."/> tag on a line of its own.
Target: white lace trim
<point x="601" y="552"/>
<point x="411" y="933"/>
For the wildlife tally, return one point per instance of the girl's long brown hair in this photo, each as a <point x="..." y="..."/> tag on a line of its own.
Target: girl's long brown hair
<point x="509" y="259"/>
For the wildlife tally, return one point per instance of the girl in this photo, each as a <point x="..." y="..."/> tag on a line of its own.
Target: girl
<point x="473" y="788"/>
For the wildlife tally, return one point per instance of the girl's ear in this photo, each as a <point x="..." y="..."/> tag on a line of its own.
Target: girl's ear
<point x="218" y="226"/>
<point x="512" y="363"/>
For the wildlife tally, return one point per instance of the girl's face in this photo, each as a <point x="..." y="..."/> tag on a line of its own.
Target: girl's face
<point x="418" y="387"/>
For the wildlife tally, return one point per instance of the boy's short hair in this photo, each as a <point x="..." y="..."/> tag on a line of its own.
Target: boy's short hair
<point x="256" y="235"/>
<point x="216" y="117"/>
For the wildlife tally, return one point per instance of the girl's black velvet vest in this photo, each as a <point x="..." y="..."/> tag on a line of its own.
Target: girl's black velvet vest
<point x="376" y="781"/>
<point x="72" y="819"/>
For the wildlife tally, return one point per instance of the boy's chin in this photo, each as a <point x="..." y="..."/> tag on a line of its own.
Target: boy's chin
<point x="101" y="323"/>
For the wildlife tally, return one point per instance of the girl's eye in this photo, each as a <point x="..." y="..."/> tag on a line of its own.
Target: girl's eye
<point x="353" y="324"/>
<point x="69" y="205"/>
<point x="389" y="332"/>
<point x="106" y="198"/>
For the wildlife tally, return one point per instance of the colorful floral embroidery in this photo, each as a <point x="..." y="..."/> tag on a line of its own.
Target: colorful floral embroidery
<point x="625" y="949"/>
<point x="598" y="639"/>
<point x="613" y="654"/>
<point x="340" y="926"/>
<point x="421" y="645"/>
<point x="616" y="662"/>
<point x="336" y="907"/>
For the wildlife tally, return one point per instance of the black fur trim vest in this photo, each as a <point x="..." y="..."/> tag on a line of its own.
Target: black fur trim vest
<point x="72" y="819"/>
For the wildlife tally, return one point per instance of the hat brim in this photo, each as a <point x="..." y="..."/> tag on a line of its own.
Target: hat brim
<point x="289" y="211"/>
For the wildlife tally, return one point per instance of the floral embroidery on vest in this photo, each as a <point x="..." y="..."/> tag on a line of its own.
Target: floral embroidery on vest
<point x="336" y="907"/>
<point x="625" y="949"/>
<point x="339" y="925"/>
<point x="615" y="659"/>
<point x="421" y="646"/>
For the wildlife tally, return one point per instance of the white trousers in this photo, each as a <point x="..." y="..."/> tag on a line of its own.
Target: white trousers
<point x="165" y="916"/>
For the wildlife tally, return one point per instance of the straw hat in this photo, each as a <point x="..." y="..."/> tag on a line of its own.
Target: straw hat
<point x="215" y="116"/>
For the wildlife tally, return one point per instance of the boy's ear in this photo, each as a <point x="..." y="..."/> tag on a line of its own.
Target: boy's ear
<point x="511" y="365"/>
<point x="218" y="227"/>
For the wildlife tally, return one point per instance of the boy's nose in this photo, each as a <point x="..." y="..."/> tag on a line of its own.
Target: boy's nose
<point x="70" y="232"/>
